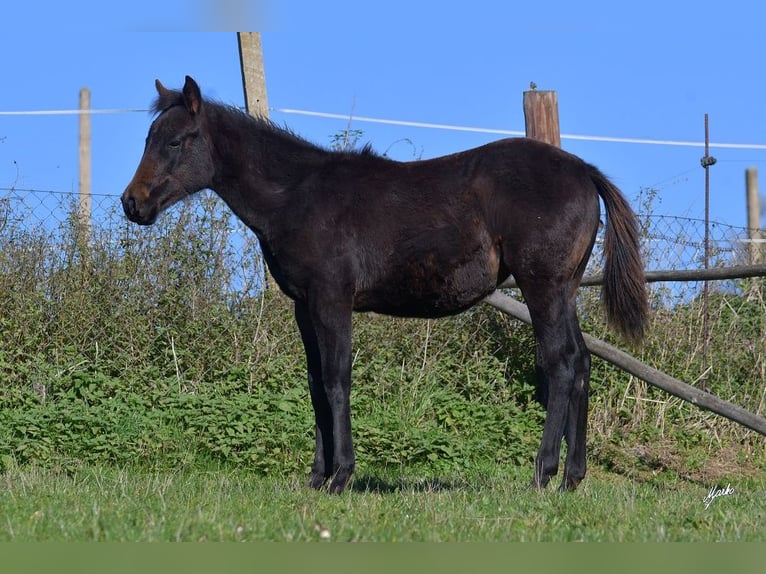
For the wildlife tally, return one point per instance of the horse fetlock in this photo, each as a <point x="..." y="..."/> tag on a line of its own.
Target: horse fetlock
<point x="341" y="479"/>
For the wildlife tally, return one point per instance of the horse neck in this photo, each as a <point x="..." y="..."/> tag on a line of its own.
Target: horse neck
<point x="258" y="165"/>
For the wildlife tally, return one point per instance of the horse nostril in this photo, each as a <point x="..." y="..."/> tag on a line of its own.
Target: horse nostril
<point x="129" y="205"/>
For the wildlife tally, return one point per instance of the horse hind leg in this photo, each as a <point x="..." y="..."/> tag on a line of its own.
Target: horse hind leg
<point x="577" y="417"/>
<point x="559" y="361"/>
<point x="577" y="410"/>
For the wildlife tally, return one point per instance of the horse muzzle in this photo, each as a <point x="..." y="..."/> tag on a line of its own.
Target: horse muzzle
<point x="136" y="212"/>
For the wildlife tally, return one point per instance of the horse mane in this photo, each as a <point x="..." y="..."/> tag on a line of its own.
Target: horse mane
<point x="172" y="98"/>
<point x="166" y="100"/>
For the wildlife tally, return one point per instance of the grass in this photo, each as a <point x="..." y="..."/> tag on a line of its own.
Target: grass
<point x="109" y="504"/>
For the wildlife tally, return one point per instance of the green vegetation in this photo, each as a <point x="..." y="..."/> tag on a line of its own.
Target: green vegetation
<point x="150" y="391"/>
<point x="117" y="504"/>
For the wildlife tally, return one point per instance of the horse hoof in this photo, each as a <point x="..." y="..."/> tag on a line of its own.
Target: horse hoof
<point x="340" y="481"/>
<point x="569" y="485"/>
<point x="538" y="485"/>
<point x="317" y="480"/>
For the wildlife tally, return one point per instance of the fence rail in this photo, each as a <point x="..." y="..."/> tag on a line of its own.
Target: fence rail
<point x="649" y="374"/>
<point x="717" y="274"/>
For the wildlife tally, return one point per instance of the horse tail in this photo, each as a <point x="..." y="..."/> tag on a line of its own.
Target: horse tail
<point x="624" y="289"/>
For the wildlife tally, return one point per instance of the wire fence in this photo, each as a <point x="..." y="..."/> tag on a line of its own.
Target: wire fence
<point x="670" y="242"/>
<point x="679" y="243"/>
<point x="54" y="218"/>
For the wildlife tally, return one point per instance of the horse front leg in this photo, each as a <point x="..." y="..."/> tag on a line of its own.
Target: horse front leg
<point x="326" y="332"/>
<point x="321" y="469"/>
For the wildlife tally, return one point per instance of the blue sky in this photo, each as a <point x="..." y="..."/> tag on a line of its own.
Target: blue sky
<point x="634" y="70"/>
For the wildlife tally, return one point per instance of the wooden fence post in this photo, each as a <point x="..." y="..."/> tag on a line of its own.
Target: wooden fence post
<point x="85" y="170"/>
<point x="253" y="76"/>
<point x="541" y="116"/>
<point x="256" y="102"/>
<point x="753" y="216"/>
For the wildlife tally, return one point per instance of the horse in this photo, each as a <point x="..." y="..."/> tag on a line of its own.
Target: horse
<point x="354" y="231"/>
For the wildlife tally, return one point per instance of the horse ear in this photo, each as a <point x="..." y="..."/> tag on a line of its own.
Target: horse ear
<point x="192" y="96"/>
<point x="161" y="90"/>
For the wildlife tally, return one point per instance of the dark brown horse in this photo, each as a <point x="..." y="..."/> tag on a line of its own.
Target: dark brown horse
<point x="353" y="231"/>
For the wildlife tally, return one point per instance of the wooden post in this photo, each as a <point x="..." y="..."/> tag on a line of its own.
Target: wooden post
<point x="253" y="76"/>
<point x="753" y="216"/>
<point x="706" y="161"/>
<point x="256" y="102"/>
<point x="85" y="170"/>
<point x="541" y="116"/>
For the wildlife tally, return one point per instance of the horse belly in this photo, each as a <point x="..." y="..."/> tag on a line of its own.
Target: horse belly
<point x="434" y="283"/>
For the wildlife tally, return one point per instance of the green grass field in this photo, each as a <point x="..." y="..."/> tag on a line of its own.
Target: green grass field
<point x="105" y="504"/>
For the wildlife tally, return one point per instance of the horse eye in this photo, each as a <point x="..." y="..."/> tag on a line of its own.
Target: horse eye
<point x="175" y="144"/>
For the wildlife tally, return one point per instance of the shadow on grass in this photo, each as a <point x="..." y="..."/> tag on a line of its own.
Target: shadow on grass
<point x="374" y="484"/>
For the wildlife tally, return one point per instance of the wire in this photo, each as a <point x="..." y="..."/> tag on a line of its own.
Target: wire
<point x="671" y="180"/>
<point x="401" y="122"/>
<point x="52" y="191"/>
<point x="69" y="112"/>
<point x="519" y="133"/>
<point x="427" y="125"/>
